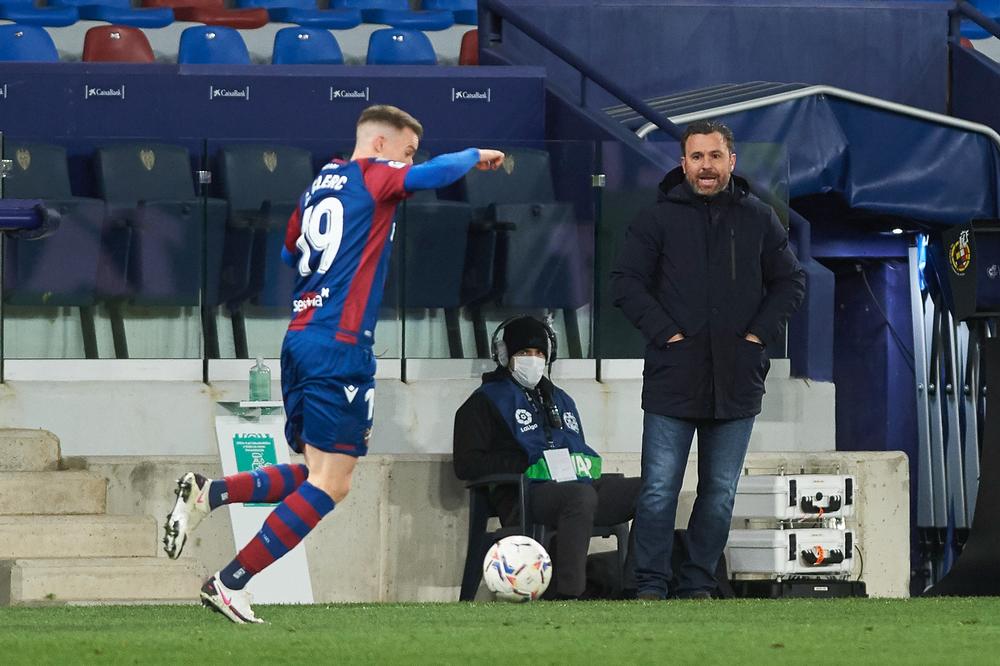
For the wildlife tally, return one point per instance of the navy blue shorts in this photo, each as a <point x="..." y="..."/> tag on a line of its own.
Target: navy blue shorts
<point x="329" y="392"/>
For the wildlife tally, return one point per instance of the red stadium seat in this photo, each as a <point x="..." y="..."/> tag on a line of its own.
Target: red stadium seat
<point x="213" y="12"/>
<point x="468" y="54"/>
<point x="116" y="43"/>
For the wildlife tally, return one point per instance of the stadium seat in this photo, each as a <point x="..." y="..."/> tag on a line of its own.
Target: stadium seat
<point x="398" y="14"/>
<point x="301" y="46"/>
<point x="158" y="227"/>
<point x="262" y="185"/>
<point x="219" y="45"/>
<point x="481" y="509"/>
<point x="536" y="240"/>
<point x="213" y="12"/>
<point x="464" y="11"/>
<point x="468" y="53"/>
<point x="119" y="12"/>
<point x="60" y="270"/>
<point x="391" y="46"/>
<point x="25" y="13"/>
<point x="116" y="43"/>
<point x="26" y="43"/>
<point x="306" y="13"/>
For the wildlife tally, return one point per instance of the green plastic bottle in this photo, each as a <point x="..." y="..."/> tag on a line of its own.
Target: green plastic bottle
<point x="260" y="381"/>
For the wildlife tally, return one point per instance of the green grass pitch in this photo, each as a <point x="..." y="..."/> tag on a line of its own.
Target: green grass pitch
<point x="836" y="631"/>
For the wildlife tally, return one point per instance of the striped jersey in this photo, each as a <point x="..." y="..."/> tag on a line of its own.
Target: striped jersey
<point x="340" y="237"/>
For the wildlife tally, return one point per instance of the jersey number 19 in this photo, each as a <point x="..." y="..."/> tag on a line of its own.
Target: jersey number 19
<point x="322" y="231"/>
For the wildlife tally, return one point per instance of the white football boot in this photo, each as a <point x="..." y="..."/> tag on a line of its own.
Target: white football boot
<point x="189" y="510"/>
<point x="234" y="604"/>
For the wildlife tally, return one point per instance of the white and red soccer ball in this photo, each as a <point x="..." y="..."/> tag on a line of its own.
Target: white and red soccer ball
<point x="517" y="568"/>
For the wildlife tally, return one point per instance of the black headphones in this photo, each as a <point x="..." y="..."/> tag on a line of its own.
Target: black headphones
<point x="498" y="348"/>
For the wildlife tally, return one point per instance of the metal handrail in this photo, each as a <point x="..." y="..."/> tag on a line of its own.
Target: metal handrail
<point x="573" y="60"/>
<point x="876" y="102"/>
<point x="971" y="12"/>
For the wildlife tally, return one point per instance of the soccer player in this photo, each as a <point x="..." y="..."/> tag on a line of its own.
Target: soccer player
<point x="338" y="239"/>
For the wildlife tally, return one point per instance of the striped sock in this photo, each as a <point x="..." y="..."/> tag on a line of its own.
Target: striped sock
<point x="266" y="484"/>
<point x="287" y="525"/>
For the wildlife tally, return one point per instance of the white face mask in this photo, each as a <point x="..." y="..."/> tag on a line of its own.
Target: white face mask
<point x="528" y="370"/>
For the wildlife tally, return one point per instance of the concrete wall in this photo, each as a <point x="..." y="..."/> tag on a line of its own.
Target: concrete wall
<point x="161" y="415"/>
<point x="401" y="534"/>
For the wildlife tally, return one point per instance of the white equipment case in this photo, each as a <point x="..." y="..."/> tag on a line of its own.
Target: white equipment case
<point x="795" y="551"/>
<point x="795" y="496"/>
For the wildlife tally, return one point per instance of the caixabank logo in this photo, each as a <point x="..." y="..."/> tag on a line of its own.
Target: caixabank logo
<point x="465" y="95"/>
<point x="216" y="93"/>
<point x="104" y="92"/>
<point x="350" y="94"/>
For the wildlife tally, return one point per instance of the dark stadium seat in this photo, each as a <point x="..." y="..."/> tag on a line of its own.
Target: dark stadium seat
<point x="392" y="46"/>
<point x="61" y="269"/>
<point x="119" y="12"/>
<point x="429" y="257"/>
<point x="159" y="226"/>
<point x="202" y="45"/>
<point x="398" y="14"/>
<point x="468" y="53"/>
<point x="464" y="11"/>
<point x="25" y="13"/>
<point x="26" y="43"/>
<point x="306" y="13"/>
<point x="261" y="184"/>
<point x="116" y="43"/>
<point x="481" y="509"/>
<point x="536" y="240"/>
<point x="213" y="12"/>
<point x="302" y="46"/>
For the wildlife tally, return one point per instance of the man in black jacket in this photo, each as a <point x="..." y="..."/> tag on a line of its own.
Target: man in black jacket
<point x="707" y="276"/>
<point x="520" y="422"/>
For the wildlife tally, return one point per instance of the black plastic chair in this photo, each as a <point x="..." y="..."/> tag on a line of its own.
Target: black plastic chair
<point x="481" y="539"/>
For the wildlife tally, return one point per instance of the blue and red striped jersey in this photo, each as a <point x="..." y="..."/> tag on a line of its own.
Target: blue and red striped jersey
<point x="340" y="238"/>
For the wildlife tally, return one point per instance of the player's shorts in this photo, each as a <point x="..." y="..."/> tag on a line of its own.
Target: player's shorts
<point x="329" y="393"/>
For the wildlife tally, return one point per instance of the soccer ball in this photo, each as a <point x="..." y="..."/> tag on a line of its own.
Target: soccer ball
<point x="517" y="568"/>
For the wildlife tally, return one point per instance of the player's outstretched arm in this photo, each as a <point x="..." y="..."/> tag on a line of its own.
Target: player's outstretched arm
<point x="446" y="169"/>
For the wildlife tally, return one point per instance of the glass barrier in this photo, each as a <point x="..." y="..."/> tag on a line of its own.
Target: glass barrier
<point x="173" y="249"/>
<point x="499" y="243"/>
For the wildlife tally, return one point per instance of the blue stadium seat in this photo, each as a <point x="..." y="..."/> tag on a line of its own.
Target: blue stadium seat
<point x="306" y="13"/>
<point x="25" y="13"/>
<point x="216" y="44"/>
<point x="990" y="8"/>
<point x="306" y="46"/>
<point x="119" y="12"/>
<point x="26" y="43"/>
<point x="398" y="14"/>
<point x="465" y="11"/>
<point x="392" y="46"/>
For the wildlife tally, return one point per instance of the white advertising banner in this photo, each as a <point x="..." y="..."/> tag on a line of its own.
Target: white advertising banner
<point x="246" y="444"/>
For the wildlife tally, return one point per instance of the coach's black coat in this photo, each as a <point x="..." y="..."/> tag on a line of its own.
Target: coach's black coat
<point x="713" y="269"/>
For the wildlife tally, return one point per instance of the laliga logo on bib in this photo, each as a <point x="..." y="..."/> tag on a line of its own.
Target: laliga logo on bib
<point x="570" y="420"/>
<point x="522" y="416"/>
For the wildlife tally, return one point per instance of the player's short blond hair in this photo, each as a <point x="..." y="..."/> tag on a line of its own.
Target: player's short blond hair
<point x="392" y="116"/>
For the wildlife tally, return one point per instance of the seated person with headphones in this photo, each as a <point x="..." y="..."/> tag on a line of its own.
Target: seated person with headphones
<point x="520" y="422"/>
